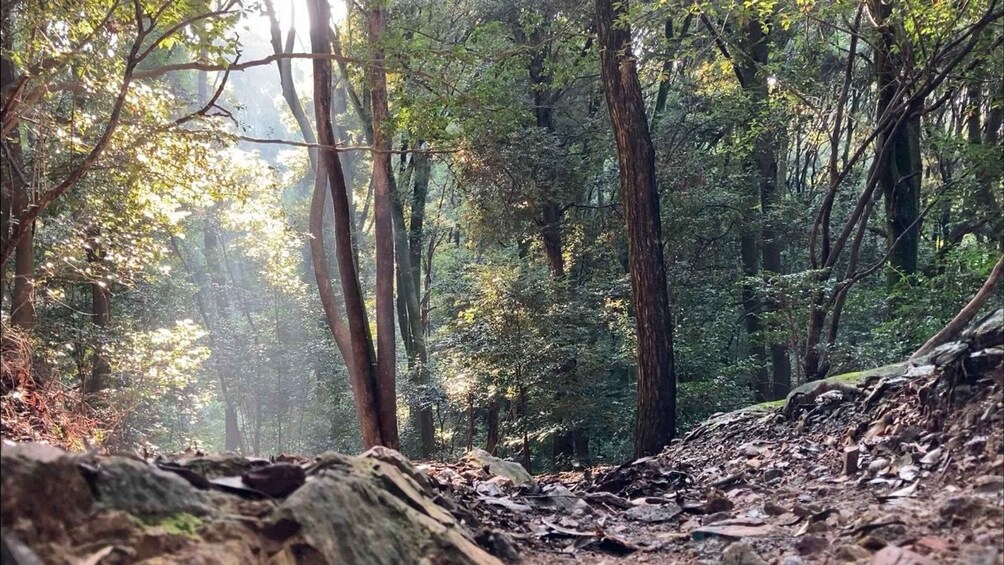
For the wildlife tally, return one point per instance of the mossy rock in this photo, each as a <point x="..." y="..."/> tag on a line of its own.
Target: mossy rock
<point x="853" y="378"/>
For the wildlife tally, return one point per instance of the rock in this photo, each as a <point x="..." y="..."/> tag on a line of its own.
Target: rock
<point x="142" y="490"/>
<point x="947" y="353"/>
<point x="652" y="513"/>
<point x="983" y="361"/>
<point x="877" y="465"/>
<point x="988" y="484"/>
<point x="773" y="509"/>
<point x="496" y="466"/>
<point x="556" y="496"/>
<point x="740" y="553"/>
<point x="809" y="544"/>
<point x="770" y="475"/>
<point x="717" y="502"/>
<point x="850" y="553"/>
<point x="609" y="498"/>
<point x="851" y="460"/>
<point x="932" y="457"/>
<point x="276" y="480"/>
<point x="979" y="555"/>
<point x="873" y="543"/>
<point x="42" y="488"/>
<point x="344" y="512"/>
<point x="987" y="332"/>
<point x="749" y="450"/>
<point x="499" y="544"/>
<point x="716" y="517"/>
<point x="962" y="507"/>
<point x="221" y="465"/>
<point x="892" y="555"/>
<point x="394" y="458"/>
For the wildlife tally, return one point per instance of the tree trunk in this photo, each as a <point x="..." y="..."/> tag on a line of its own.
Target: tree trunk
<point x="762" y="231"/>
<point x="655" y="421"/>
<point x="286" y="79"/>
<point x="22" y="310"/>
<point x="100" y="315"/>
<point x="383" y="195"/>
<point x="492" y="427"/>
<point x="900" y="176"/>
<point x="361" y="361"/>
<point x="413" y="334"/>
<point x="966" y="315"/>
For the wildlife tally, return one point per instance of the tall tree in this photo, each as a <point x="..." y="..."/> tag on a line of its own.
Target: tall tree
<point x="655" y="420"/>
<point x="361" y="362"/>
<point x="899" y="164"/>
<point x="383" y="230"/>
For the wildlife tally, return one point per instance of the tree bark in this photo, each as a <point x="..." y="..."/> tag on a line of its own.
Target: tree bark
<point x="100" y="315"/>
<point x="900" y="176"/>
<point x="761" y="234"/>
<point x="383" y="195"/>
<point x="361" y="362"/>
<point x="655" y="421"/>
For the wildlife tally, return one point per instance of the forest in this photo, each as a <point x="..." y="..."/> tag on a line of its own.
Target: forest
<point x="563" y="232"/>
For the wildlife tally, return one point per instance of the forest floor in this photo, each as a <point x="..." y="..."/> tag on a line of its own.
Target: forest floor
<point x="904" y="464"/>
<point x="899" y="465"/>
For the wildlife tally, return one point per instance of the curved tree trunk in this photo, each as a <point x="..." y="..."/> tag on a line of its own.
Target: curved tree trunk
<point x="966" y="315"/>
<point x="361" y="364"/>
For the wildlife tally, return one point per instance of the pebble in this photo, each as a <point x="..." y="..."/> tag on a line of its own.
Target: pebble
<point x="741" y="553"/>
<point x="851" y="553"/>
<point x="877" y="465"/>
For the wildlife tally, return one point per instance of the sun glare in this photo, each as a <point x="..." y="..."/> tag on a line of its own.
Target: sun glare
<point x="292" y="12"/>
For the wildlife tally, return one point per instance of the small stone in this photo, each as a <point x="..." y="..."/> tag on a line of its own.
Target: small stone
<point x="851" y="460"/>
<point x="932" y="457"/>
<point x="878" y="465"/>
<point x="499" y="544"/>
<point x="872" y="543"/>
<point x="851" y="553"/>
<point x="740" y="553"/>
<point x="965" y="507"/>
<point x="807" y="545"/>
<point x="717" y="502"/>
<point x="772" y="509"/>
<point x="750" y="450"/>
<point x="771" y="475"/>
<point x="651" y="513"/>
<point x="988" y="484"/>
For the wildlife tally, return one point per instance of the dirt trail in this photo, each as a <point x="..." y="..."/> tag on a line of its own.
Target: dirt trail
<point x="900" y="465"/>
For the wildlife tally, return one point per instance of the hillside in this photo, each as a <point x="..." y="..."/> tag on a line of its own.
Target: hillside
<point x="905" y="465"/>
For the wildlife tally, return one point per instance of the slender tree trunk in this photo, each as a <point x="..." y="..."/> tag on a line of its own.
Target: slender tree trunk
<point x="492" y="427"/>
<point x="413" y="334"/>
<point x="100" y="315"/>
<point x="23" y="299"/>
<point x="286" y="79"/>
<point x="761" y="234"/>
<point x="386" y="361"/>
<point x="361" y="365"/>
<point x="655" y="422"/>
